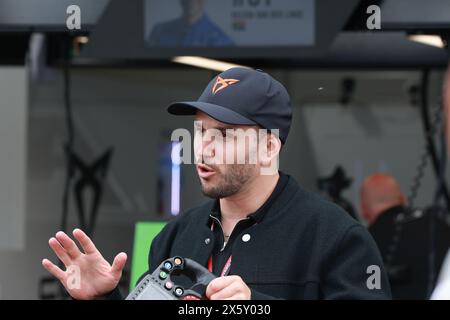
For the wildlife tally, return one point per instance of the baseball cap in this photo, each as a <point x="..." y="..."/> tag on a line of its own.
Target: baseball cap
<point x="243" y="96"/>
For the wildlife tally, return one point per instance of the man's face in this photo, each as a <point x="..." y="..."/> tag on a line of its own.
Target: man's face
<point x="192" y="8"/>
<point x="227" y="159"/>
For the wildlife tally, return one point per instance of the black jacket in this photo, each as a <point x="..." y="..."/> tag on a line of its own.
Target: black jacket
<point x="304" y="248"/>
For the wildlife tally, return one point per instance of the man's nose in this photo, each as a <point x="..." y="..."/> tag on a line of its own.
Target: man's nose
<point x="204" y="147"/>
<point x="207" y="149"/>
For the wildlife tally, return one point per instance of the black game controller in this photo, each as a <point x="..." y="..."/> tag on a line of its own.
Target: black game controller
<point x="162" y="283"/>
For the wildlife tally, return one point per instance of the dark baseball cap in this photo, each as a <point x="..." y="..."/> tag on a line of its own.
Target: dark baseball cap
<point x="243" y="96"/>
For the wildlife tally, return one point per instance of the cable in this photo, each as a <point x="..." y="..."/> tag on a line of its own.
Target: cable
<point x="420" y="172"/>
<point x="430" y="129"/>
<point x="69" y="145"/>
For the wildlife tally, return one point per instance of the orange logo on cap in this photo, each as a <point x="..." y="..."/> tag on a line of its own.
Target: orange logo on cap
<point x="222" y="83"/>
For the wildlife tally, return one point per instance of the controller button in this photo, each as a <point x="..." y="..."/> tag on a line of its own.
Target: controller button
<point x="167" y="265"/>
<point x="168" y="285"/>
<point x="179" y="292"/>
<point x="163" y="275"/>
<point x="178" y="261"/>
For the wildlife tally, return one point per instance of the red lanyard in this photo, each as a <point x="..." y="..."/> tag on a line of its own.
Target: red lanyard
<point x="226" y="267"/>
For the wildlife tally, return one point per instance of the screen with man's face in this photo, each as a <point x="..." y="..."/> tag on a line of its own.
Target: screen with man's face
<point x="242" y="23"/>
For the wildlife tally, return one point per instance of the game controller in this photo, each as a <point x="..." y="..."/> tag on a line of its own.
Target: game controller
<point x="165" y="282"/>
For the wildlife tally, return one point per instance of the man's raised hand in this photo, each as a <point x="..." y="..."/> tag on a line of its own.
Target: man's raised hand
<point x="87" y="274"/>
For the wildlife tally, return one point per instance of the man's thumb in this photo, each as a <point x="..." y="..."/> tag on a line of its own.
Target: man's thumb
<point x="119" y="262"/>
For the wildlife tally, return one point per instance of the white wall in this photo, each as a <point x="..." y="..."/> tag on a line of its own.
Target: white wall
<point x="13" y="130"/>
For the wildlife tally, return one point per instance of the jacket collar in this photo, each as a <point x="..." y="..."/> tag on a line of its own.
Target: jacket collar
<point x="287" y="192"/>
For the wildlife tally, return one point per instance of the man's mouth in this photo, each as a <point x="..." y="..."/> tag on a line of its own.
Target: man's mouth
<point x="205" y="171"/>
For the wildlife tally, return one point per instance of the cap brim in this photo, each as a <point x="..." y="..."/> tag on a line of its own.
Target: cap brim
<point x="217" y="112"/>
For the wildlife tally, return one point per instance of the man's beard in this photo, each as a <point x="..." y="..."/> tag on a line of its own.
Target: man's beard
<point x="231" y="182"/>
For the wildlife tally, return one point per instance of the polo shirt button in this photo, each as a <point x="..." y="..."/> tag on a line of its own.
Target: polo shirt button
<point x="246" y="237"/>
<point x="207" y="240"/>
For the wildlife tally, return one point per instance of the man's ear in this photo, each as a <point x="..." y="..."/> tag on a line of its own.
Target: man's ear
<point x="269" y="151"/>
<point x="274" y="145"/>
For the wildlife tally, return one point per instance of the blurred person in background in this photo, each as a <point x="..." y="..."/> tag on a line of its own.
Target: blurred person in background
<point x="381" y="199"/>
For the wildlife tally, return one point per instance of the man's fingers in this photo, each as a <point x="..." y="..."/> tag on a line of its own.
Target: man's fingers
<point x="218" y="284"/>
<point x="227" y="292"/>
<point x="54" y="270"/>
<point x="59" y="251"/>
<point x="68" y="244"/>
<point x="119" y="263"/>
<point x="85" y="242"/>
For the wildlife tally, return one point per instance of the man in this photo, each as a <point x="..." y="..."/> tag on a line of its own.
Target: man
<point x="193" y="28"/>
<point x="381" y="198"/>
<point x="383" y="206"/>
<point x="262" y="234"/>
<point x="400" y="236"/>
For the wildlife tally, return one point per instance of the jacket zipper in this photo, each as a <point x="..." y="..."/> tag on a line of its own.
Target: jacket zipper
<point x="221" y="229"/>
